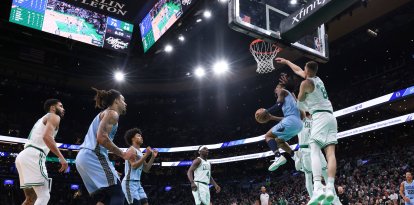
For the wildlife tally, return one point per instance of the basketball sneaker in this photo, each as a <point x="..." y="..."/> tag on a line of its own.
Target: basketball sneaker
<point x="329" y="194"/>
<point x="298" y="162"/>
<point x="318" y="196"/>
<point x="334" y="202"/>
<point x="277" y="163"/>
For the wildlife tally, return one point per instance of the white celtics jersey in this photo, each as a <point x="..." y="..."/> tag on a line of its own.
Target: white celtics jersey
<point x="264" y="199"/>
<point x="304" y="135"/>
<point x="203" y="172"/>
<point x="36" y="136"/>
<point x="318" y="99"/>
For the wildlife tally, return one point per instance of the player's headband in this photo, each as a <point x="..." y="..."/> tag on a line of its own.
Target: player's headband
<point x="202" y="147"/>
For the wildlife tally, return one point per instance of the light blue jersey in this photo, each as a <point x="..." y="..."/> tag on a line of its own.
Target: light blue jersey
<point x="409" y="192"/>
<point x="131" y="183"/>
<point x="289" y="107"/>
<point x="91" y="142"/>
<point x="131" y="173"/>
<point x="92" y="161"/>
<point x="291" y="124"/>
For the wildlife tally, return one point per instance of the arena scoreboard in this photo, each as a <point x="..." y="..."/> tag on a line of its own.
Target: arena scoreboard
<point x="69" y="21"/>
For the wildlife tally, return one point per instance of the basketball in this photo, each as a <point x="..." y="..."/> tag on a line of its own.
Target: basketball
<point x="262" y="116"/>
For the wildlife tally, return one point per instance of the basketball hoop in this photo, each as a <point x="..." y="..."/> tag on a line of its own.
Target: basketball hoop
<point x="264" y="53"/>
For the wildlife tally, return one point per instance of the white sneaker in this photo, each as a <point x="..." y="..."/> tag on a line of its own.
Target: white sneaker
<point x="277" y="163"/>
<point x="298" y="162"/>
<point x="330" y="195"/>
<point x="318" y="196"/>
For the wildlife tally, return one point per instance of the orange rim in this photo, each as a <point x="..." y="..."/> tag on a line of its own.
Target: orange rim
<point x="277" y="48"/>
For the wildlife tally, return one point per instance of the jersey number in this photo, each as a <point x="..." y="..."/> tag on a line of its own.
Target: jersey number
<point x="208" y="174"/>
<point x="323" y="90"/>
<point x="410" y="191"/>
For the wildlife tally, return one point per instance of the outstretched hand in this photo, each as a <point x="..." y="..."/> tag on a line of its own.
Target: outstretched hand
<point x="155" y="153"/>
<point x="283" y="79"/>
<point x="281" y="61"/>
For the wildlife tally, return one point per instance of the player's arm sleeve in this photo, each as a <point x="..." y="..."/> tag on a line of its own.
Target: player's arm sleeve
<point x="274" y="108"/>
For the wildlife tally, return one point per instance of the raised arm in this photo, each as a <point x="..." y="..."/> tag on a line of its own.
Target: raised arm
<point x="52" y="123"/>
<point x="305" y="87"/>
<point x="139" y="162"/>
<point x="110" y="118"/>
<point x="295" y="68"/>
<point x="190" y="173"/>
<point x="147" y="166"/>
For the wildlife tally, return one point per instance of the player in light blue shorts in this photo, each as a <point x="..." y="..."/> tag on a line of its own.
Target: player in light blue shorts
<point x="92" y="162"/>
<point x="131" y="183"/>
<point x="288" y="127"/>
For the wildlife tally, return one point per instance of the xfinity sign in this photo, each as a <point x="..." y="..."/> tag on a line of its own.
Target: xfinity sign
<point x="310" y="16"/>
<point x="305" y="11"/>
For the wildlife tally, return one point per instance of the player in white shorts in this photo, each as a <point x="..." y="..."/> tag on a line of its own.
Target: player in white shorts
<point x="30" y="162"/>
<point x="303" y="159"/>
<point x="200" y="177"/>
<point x="314" y="98"/>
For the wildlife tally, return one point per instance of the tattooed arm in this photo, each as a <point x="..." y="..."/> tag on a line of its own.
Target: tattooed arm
<point x="109" y="119"/>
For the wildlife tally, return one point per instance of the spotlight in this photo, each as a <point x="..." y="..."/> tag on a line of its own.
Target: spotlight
<point x="199" y="72"/>
<point x="223" y="1"/>
<point x="293" y="2"/>
<point x="119" y="76"/>
<point x="199" y="20"/>
<point x="168" y="48"/>
<point x="220" y="67"/>
<point x="181" y="38"/>
<point x="207" y="14"/>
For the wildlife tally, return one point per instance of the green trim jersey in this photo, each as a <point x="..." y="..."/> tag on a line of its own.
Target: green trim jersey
<point x="304" y="134"/>
<point x="203" y="172"/>
<point x="318" y="99"/>
<point x="36" y="135"/>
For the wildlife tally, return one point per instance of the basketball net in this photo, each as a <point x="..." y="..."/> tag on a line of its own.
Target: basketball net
<point x="264" y="53"/>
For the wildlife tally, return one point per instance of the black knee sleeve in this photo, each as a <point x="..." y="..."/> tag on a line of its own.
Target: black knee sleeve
<point x="113" y="195"/>
<point x="143" y="201"/>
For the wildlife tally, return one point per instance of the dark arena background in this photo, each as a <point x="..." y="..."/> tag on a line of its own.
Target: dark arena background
<point x="189" y="79"/>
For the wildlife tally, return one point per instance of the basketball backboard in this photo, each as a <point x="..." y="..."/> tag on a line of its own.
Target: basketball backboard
<point x="262" y="18"/>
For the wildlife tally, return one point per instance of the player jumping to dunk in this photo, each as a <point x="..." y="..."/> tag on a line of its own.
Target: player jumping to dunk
<point x="288" y="127"/>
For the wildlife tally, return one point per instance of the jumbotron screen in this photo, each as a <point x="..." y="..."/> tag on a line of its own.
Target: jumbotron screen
<point x="72" y="22"/>
<point x="159" y="19"/>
